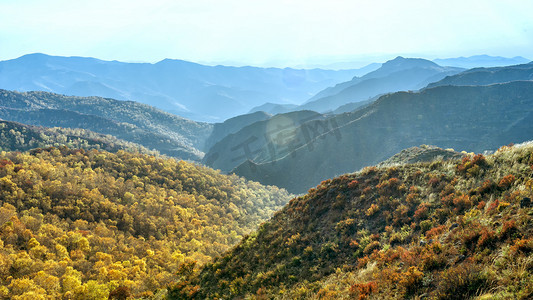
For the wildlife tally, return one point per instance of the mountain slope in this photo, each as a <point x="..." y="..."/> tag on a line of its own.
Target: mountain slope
<point x="233" y="125"/>
<point x="128" y="120"/>
<point x="486" y="76"/>
<point x="352" y="106"/>
<point x="199" y="92"/>
<point x="250" y="141"/>
<point x="442" y="230"/>
<point x="87" y="224"/>
<point x="470" y="118"/>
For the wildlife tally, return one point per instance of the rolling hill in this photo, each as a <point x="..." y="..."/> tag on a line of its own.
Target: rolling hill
<point x="423" y="153"/>
<point x="131" y="121"/>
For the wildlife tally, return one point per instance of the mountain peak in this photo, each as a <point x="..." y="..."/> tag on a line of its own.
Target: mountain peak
<point x="33" y="57"/>
<point x="177" y="62"/>
<point x="407" y="63"/>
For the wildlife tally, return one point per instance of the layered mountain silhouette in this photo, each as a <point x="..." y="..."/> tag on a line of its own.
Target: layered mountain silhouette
<point x="478" y="61"/>
<point x="399" y="74"/>
<point x="199" y="92"/>
<point x="470" y="118"/>
<point x="127" y="120"/>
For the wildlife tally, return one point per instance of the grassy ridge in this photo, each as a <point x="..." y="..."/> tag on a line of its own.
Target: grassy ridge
<point x="443" y="230"/>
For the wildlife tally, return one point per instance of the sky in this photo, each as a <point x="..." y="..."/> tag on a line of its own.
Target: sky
<point x="266" y="32"/>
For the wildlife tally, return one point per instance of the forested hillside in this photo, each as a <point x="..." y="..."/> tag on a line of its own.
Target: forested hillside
<point x="20" y="137"/>
<point x="78" y="224"/>
<point x="438" y="230"/>
<point x="127" y="120"/>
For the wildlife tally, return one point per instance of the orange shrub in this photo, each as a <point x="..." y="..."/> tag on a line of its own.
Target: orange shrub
<point x="471" y="166"/>
<point x="353" y="184"/>
<point x="493" y="205"/>
<point x="506" y="181"/>
<point x="367" y="190"/>
<point x="487" y="238"/>
<point x="421" y="211"/>
<point x="433" y="232"/>
<point x="433" y="181"/>
<point x="461" y="203"/>
<point x="508" y="229"/>
<point x="481" y="205"/>
<point x="363" y="290"/>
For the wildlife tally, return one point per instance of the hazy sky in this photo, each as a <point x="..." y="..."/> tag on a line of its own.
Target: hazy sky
<point x="265" y="32"/>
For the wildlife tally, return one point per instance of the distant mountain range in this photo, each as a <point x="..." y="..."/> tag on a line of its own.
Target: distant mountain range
<point x="478" y="61"/>
<point x="399" y="74"/>
<point x="194" y="91"/>
<point x="346" y="65"/>
<point x="127" y="120"/>
<point x="216" y="93"/>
